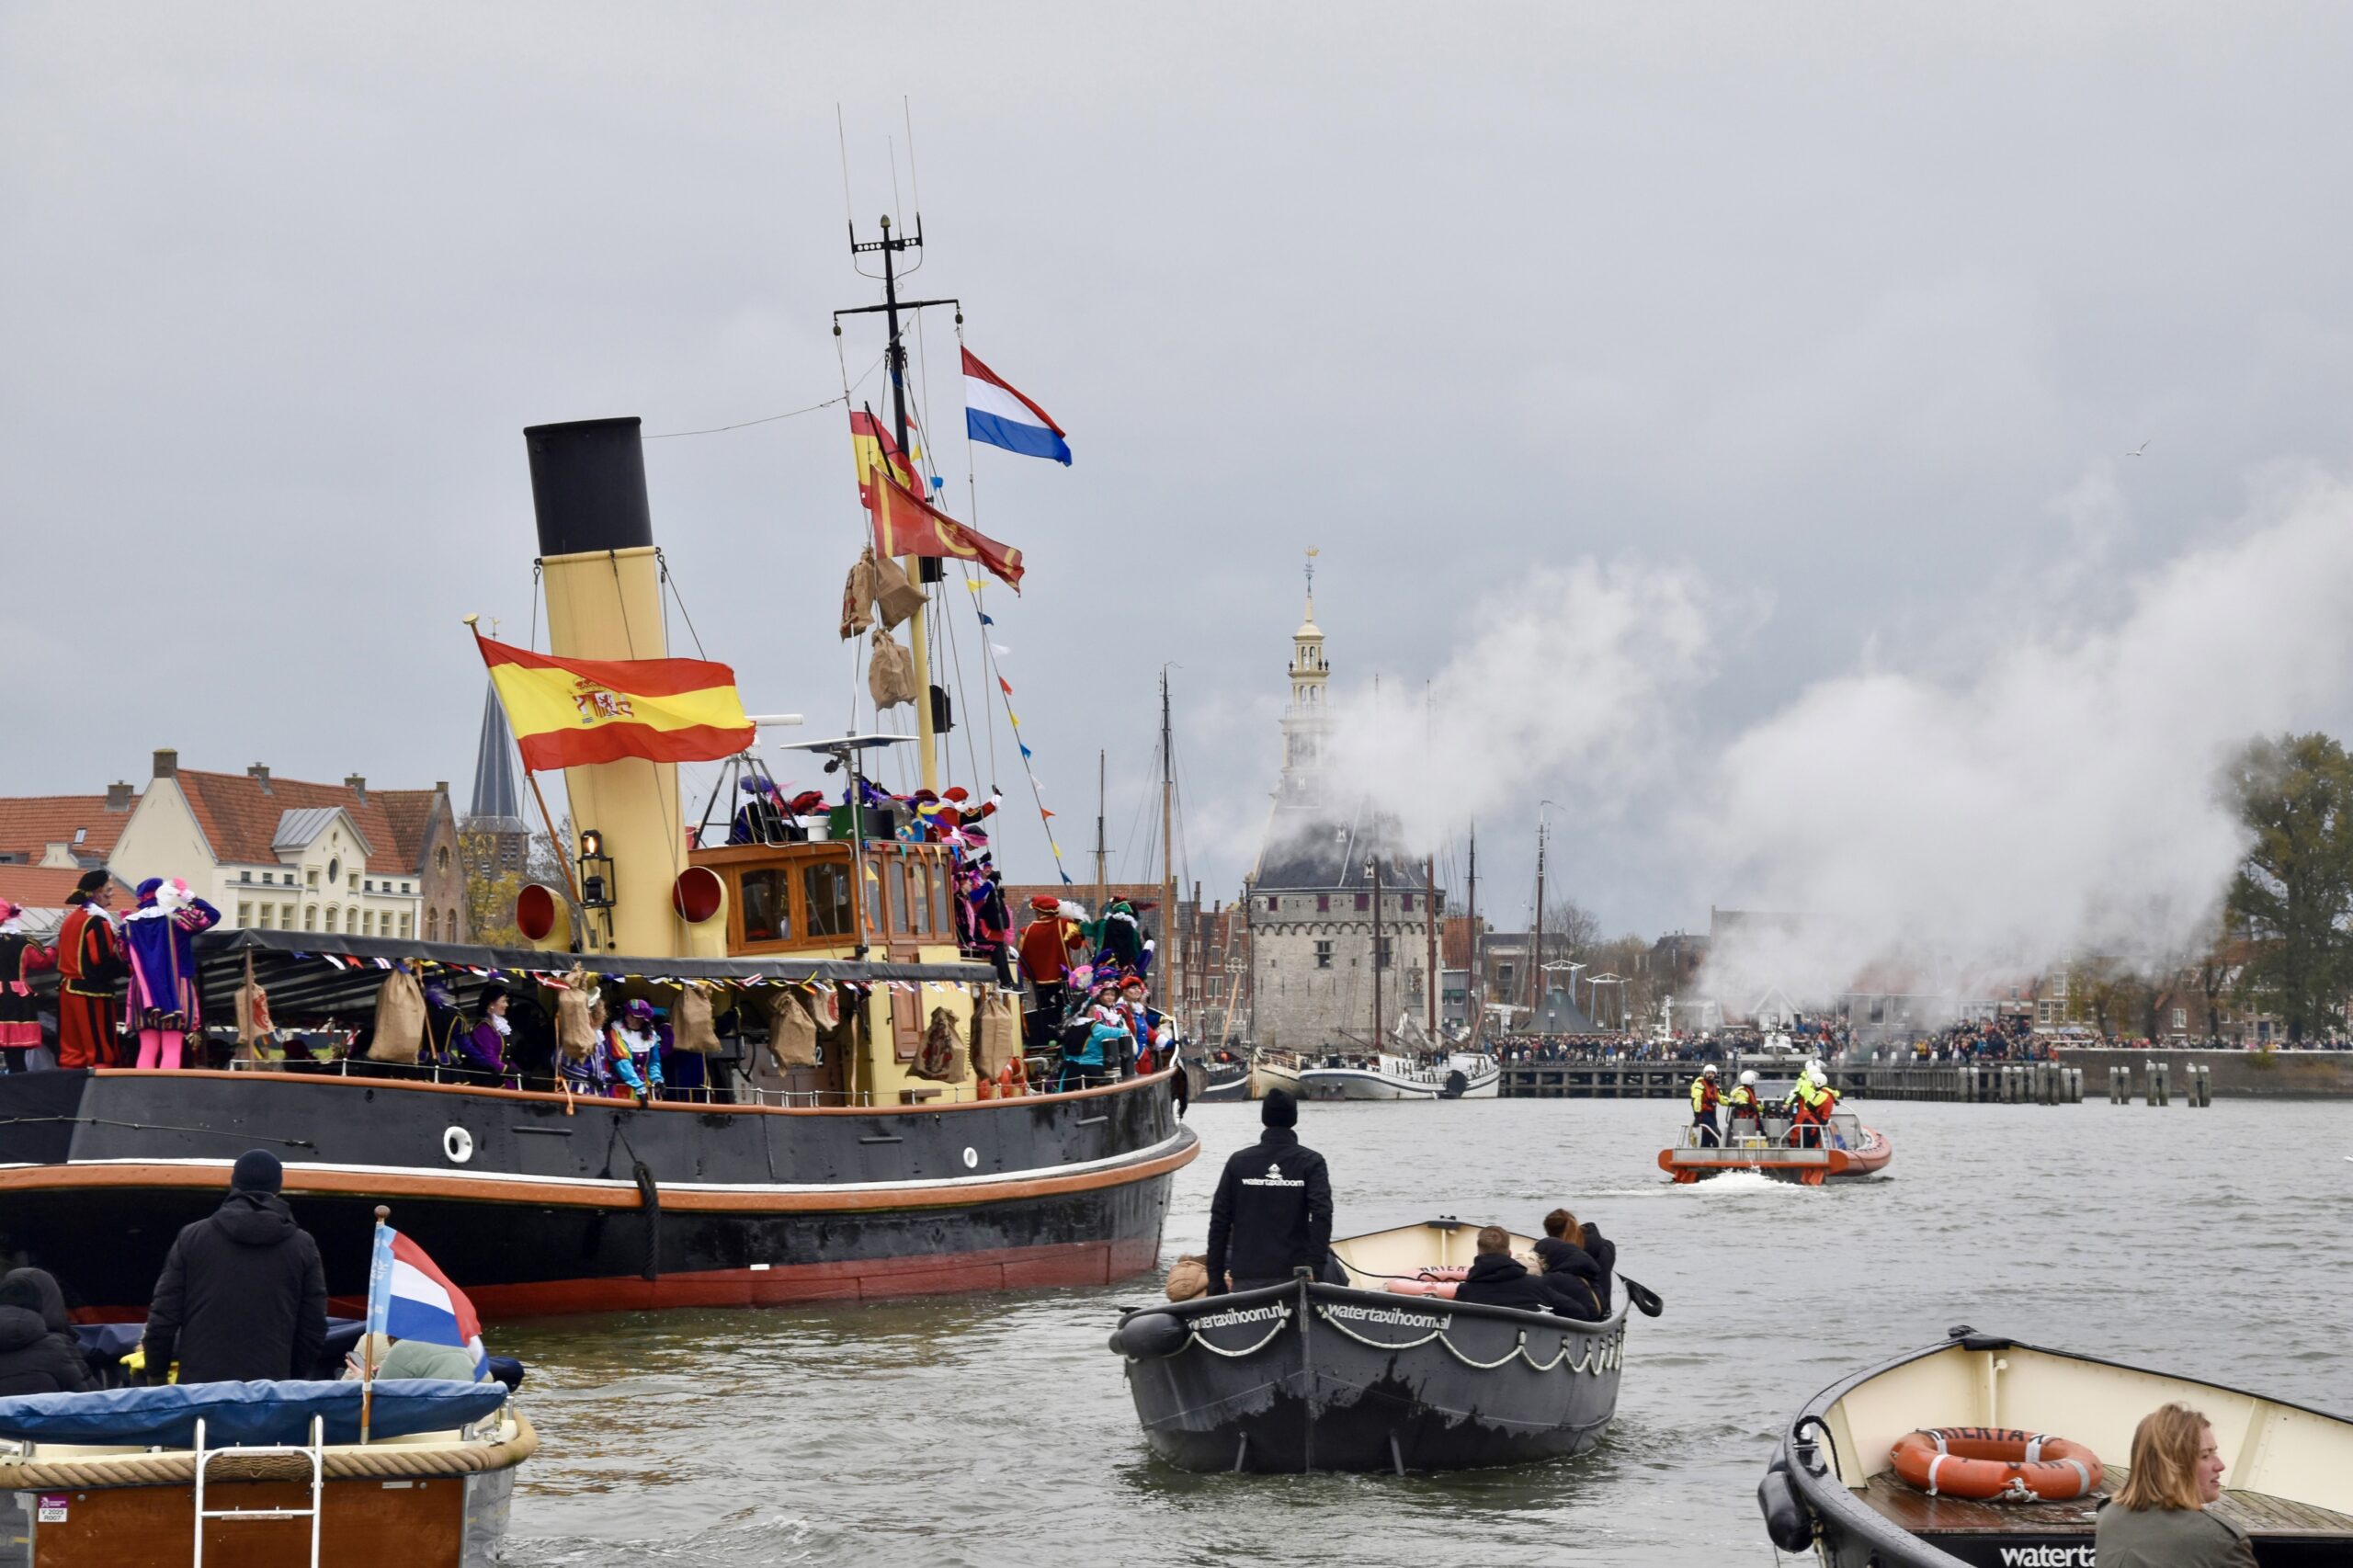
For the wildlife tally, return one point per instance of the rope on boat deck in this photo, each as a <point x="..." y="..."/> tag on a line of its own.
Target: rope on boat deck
<point x="1282" y="1321"/>
<point x="1599" y="1355"/>
<point x="385" y="1461"/>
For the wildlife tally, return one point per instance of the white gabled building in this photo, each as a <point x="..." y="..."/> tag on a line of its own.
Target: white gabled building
<point x="283" y="854"/>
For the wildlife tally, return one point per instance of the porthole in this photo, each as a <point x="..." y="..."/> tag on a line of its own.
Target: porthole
<point x="972" y="1159"/>
<point x="458" y="1143"/>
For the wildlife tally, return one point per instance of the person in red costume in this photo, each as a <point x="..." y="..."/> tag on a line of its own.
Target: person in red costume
<point x="90" y="968"/>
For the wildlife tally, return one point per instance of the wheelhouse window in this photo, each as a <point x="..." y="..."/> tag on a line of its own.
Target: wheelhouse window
<point x="911" y="896"/>
<point x="765" y="898"/>
<point x="825" y="895"/>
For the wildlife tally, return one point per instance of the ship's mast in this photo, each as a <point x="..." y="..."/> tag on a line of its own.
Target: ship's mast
<point x="1374" y="866"/>
<point x="1429" y="929"/>
<point x="1167" y="840"/>
<point x="921" y="569"/>
<point x="1536" y="962"/>
<point x="1472" y="988"/>
<point x="1102" y="878"/>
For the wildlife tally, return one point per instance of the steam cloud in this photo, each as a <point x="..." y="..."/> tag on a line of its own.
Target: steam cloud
<point x="2062" y="795"/>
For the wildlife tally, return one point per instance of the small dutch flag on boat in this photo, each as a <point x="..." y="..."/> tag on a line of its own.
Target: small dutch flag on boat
<point x="409" y="1298"/>
<point x="996" y="413"/>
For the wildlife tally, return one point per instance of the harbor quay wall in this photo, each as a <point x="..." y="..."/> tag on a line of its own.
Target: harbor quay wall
<point x="2280" y="1074"/>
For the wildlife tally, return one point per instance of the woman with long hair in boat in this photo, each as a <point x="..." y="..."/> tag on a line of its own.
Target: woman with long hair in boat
<point x="2162" y="1516"/>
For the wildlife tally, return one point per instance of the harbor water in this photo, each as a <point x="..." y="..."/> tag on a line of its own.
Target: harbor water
<point x="998" y="1429"/>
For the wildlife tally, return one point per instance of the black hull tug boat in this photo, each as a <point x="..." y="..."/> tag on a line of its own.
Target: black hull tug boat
<point x="1834" y="1485"/>
<point x="1309" y="1376"/>
<point x="841" y="1155"/>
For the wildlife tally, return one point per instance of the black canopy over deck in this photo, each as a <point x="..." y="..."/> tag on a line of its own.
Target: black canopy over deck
<point x="297" y="968"/>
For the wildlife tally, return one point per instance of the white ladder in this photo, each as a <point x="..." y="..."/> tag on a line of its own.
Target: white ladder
<point x="315" y="1452"/>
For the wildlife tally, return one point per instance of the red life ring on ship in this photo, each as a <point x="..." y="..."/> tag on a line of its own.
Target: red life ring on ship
<point x="1995" y="1464"/>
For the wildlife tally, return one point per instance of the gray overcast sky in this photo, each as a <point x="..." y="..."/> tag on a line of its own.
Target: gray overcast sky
<point x="1848" y="310"/>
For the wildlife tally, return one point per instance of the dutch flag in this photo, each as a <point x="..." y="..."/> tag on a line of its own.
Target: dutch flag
<point x="408" y="1297"/>
<point x="996" y="413"/>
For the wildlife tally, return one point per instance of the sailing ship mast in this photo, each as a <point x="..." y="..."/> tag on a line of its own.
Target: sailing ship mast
<point x="1167" y="853"/>
<point x="1536" y="958"/>
<point x="1102" y="878"/>
<point x="922" y="571"/>
<point x="1472" y="988"/>
<point x="1429" y="928"/>
<point x="1374" y="866"/>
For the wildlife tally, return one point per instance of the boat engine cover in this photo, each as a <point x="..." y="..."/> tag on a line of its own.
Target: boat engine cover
<point x="1786" y="1519"/>
<point x="1146" y="1335"/>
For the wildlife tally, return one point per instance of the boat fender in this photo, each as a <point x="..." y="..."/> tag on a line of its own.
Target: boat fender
<point x="1148" y="1335"/>
<point x="1455" y="1084"/>
<point x="1786" y="1519"/>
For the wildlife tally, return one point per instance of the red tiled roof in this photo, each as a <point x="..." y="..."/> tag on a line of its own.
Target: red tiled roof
<point x="29" y="823"/>
<point x="46" y="887"/>
<point x="410" y="813"/>
<point x="239" y="815"/>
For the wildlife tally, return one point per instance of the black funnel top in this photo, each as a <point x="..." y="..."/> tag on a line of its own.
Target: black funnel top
<point x="588" y="486"/>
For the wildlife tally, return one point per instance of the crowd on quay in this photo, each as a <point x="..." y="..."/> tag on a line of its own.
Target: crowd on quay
<point x="1609" y="1049"/>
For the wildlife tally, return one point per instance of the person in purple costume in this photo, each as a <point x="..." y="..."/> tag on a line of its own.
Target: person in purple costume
<point x="159" y="937"/>
<point x="483" y="1048"/>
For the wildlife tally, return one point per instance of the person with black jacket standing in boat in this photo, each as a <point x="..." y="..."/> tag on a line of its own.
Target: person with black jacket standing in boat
<point x="1273" y="1208"/>
<point x="242" y="1294"/>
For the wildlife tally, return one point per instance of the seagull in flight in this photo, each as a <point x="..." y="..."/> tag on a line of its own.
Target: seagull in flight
<point x="2138" y="450"/>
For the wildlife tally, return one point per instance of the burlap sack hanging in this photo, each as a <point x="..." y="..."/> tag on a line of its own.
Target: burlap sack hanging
<point x="895" y="598"/>
<point x="942" y="1056"/>
<point x="997" y="1034"/>
<point x="253" y="1015"/>
<point x="576" y="1025"/>
<point x="400" y="1019"/>
<point x="857" y="596"/>
<point x="793" y="1033"/>
<point x="889" y="673"/>
<point x="690" y="1024"/>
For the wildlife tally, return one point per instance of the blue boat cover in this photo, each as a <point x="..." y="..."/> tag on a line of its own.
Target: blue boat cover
<point x="254" y="1413"/>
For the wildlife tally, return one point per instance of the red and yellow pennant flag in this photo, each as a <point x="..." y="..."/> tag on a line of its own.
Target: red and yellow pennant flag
<point x="905" y="524"/>
<point x="870" y="442"/>
<point x="573" y="713"/>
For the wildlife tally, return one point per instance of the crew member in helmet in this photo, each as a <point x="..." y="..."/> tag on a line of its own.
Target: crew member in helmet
<point x="1745" y="1106"/>
<point x="1810" y="1103"/>
<point x="1704" y="1099"/>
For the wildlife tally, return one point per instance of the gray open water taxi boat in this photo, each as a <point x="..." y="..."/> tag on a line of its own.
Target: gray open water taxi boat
<point x="1381" y="1372"/>
<point x="1832" y="1488"/>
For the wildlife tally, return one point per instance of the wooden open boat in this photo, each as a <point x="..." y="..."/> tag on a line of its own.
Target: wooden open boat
<point x="1849" y="1153"/>
<point x="1350" y="1376"/>
<point x="1831" y="1488"/>
<point x="260" y="1475"/>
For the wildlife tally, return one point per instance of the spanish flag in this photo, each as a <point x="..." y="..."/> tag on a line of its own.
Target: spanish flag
<point x="572" y="712"/>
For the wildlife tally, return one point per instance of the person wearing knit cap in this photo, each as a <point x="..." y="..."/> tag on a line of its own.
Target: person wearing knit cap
<point x="21" y="958"/>
<point x="1273" y="1208"/>
<point x="90" y="969"/>
<point x="242" y="1295"/>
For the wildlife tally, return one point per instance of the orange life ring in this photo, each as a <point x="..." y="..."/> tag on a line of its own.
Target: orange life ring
<point x="1995" y="1464"/>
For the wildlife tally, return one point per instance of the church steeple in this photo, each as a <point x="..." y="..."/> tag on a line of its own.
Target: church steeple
<point x="1307" y="723"/>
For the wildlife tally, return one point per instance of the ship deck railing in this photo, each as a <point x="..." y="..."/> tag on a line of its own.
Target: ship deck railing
<point x="737" y="1094"/>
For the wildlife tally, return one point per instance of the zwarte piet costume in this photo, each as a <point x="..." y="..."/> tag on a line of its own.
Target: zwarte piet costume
<point x="89" y="978"/>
